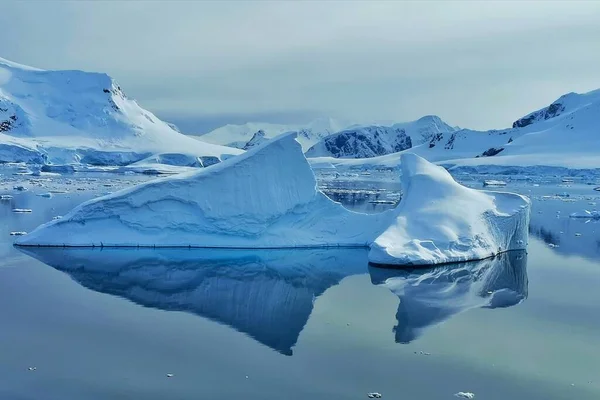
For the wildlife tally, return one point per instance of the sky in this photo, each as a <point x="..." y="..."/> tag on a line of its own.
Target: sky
<point x="201" y="64"/>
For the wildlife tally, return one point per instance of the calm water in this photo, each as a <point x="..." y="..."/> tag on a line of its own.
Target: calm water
<point x="318" y="324"/>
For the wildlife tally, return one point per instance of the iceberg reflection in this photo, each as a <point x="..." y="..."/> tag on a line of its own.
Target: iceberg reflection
<point x="429" y="297"/>
<point x="266" y="294"/>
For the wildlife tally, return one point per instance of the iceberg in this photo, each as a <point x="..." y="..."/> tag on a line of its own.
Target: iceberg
<point x="440" y="221"/>
<point x="268" y="198"/>
<point x="264" y="198"/>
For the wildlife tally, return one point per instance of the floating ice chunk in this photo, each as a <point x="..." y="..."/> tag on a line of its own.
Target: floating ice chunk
<point x="21" y="210"/>
<point x="465" y="395"/>
<point x="18" y="233"/>
<point x="492" y="182"/>
<point x="46" y="195"/>
<point x="374" y="395"/>
<point x="5" y="197"/>
<point x="439" y="221"/>
<point x="586" y="214"/>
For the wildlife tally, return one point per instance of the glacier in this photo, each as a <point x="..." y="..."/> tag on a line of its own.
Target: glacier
<point x="268" y="198"/>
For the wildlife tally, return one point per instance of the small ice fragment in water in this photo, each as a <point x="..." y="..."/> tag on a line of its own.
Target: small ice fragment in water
<point x="18" y="233"/>
<point x="492" y="182"/>
<point x="21" y="210"/>
<point x="20" y="188"/>
<point x="578" y="234"/>
<point x="6" y="197"/>
<point x="57" y="217"/>
<point x="170" y="375"/>
<point x="31" y="368"/>
<point x="374" y="395"/>
<point x="46" y="195"/>
<point x="465" y="395"/>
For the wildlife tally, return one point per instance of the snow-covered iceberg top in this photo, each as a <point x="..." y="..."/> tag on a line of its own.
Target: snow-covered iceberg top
<point x="440" y="221"/>
<point x="268" y="198"/>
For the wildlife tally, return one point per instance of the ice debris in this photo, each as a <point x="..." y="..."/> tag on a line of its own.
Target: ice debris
<point x="465" y="395"/>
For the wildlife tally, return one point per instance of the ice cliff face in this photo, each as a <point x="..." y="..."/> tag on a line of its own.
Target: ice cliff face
<point x="58" y="115"/>
<point x="373" y="141"/>
<point x="267" y="198"/>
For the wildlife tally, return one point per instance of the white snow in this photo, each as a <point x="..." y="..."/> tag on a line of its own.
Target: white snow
<point x="440" y="221"/>
<point x="268" y="198"/>
<point x="64" y="117"/>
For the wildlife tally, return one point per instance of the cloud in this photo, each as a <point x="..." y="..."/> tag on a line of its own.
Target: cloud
<point x="476" y="64"/>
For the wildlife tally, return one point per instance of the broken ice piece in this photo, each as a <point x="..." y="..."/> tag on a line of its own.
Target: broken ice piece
<point x="465" y="395"/>
<point x="170" y="375"/>
<point x="21" y="210"/>
<point x="18" y="233"/>
<point x="374" y="395"/>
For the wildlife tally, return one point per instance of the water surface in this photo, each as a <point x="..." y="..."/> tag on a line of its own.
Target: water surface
<point x="317" y="324"/>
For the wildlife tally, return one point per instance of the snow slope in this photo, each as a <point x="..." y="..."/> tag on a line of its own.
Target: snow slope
<point x="429" y="297"/>
<point x="439" y="221"/>
<point x="266" y="294"/>
<point x="566" y="134"/>
<point x="266" y="197"/>
<point x="247" y="135"/>
<point x="75" y="116"/>
<point x="373" y="141"/>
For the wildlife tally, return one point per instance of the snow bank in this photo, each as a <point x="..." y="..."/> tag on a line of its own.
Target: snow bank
<point x="440" y="221"/>
<point x="264" y="198"/>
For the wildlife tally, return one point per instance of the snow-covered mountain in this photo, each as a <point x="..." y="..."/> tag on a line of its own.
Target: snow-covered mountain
<point x="249" y="134"/>
<point x="75" y="116"/>
<point x="373" y="141"/>
<point x="564" y="134"/>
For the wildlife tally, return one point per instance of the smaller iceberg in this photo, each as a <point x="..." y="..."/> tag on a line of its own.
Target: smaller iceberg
<point x="440" y="221"/>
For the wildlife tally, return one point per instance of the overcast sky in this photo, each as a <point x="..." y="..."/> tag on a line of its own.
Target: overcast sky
<point x="203" y="64"/>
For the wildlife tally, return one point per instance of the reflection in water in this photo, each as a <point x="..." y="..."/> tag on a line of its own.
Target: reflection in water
<point x="428" y="297"/>
<point x="267" y="294"/>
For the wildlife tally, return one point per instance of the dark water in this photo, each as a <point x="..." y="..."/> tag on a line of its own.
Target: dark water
<point x="318" y="324"/>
